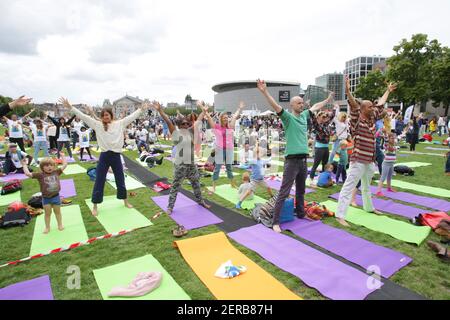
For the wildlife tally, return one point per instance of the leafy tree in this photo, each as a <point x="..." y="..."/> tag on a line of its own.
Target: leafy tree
<point x="372" y="86"/>
<point x="440" y="80"/>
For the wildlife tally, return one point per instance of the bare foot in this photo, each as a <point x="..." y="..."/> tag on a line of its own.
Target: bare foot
<point x="276" y="228"/>
<point x="169" y="211"/>
<point x="60" y="228"/>
<point x="46" y="230"/>
<point x="95" y="211"/>
<point x="354" y="204"/>
<point x="127" y="204"/>
<point x="343" y="222"/>
<point x="377" y="212"/>
<point x="207" y="206"/>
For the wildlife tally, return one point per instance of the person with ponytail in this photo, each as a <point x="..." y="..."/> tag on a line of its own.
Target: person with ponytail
<point x="110" y="137"/>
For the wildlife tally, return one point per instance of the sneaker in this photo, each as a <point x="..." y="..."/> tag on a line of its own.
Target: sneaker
<point x="380" y="194"/>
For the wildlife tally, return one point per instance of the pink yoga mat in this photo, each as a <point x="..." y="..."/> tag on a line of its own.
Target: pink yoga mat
<point x="332" y="278"/>
<point x="35" y="289"/>
<point x="67" y="189"/>
<point x="187" y="212"/>
<point x="354" y="249"/>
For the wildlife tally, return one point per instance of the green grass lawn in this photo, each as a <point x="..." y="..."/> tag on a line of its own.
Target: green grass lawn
<point x="426" y="275"/>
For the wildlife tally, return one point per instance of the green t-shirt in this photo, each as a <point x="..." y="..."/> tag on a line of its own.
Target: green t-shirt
<point x="296" y="131"/>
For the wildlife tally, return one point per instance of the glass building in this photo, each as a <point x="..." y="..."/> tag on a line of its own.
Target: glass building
<point x="359" y="67"/>
<point x="332" y="82"/>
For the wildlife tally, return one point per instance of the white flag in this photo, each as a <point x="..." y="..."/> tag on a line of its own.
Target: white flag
<point x="408" y="114"/>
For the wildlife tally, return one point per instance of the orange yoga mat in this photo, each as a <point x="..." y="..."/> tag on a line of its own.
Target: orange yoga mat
<point x="206" y="253"/>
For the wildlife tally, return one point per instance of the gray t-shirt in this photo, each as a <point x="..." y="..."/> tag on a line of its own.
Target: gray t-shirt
<point x="183" y="140"/>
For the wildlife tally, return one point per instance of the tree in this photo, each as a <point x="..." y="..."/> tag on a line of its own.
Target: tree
<point x="372" y="86"/>
<point x="411" y="68"/>
<point x="440" y="79"/>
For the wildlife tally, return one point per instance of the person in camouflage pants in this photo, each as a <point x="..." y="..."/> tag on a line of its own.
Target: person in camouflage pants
<point x="190" y="172"/>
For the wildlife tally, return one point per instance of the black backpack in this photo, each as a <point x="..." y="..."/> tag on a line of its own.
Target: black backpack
<point x="15" y="218"/>
<point x="35" y="202"/>
<point x="404" y="170"/>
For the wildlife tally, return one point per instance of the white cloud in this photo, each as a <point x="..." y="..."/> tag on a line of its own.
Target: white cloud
<point x="92" y="50"/>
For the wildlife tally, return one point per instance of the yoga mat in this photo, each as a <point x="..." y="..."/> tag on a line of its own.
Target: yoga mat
<point x="87" y="158"/>
<point x="276" y="185"/>
<point x="120" y="275"/>
<point x="187" y="212"/>
<point x="413" y="164"/>
<point x="36" y="289"/>
<point x="205" y="254"/>
<point x="14" y="176"/>
<point x="433" y="203"/>
<point x="68" y="159"/>
<point x="7" y="199"/>
<point x="130" y="182"/>
<point x="400" y="230"/>
<point x="354" y="249"/>
<point x="331" y="277"/>
<point x="114" y="217"/>
<point x="223" y="174"/>
<point x="74" y="231"/>
<point x="228" y="193"/>
<point x="437" y="149"/>
<point x="421" y="188"/>
<point x="74" y="169"/>
<point x="388" y="206"/>
<point x="67" y="188"/>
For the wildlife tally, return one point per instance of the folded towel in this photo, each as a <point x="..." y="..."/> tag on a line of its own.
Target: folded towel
<point x="144" y="283"/>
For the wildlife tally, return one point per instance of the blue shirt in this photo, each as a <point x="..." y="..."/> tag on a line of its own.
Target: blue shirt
<point x="257" y="169"/>
<point x="324" y="178"/>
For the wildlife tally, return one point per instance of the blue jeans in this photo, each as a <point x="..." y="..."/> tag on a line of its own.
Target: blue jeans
<point x="38" y="146"/>
<point x="106" y="160"/>
<point x="56" y="200"/>
<point x="334" y="149"/>
<point x="228" y="161"/>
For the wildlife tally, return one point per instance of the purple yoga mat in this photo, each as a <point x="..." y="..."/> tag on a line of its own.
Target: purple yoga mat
<point x="187" y="212"/>
<point x="332" y="278"/>
<point x="87" y="158"/>
<point x="9" y="177"/>
<point x="389" y="206"/>
<point x="354" y="249"/>
<point x="275" y="184"/>
<point x="35" y="289"/>
<point x="67" y="189"/>
<point x="433" y="203"/>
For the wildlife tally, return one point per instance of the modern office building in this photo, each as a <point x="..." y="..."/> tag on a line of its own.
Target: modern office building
<point x="230" y="94"/>
<point x="332" y="82"/>
<point x="359" y="67"/>
<point x="315" y="94"/>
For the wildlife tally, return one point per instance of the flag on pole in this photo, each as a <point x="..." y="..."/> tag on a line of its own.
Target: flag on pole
<point x="408" y="114"/>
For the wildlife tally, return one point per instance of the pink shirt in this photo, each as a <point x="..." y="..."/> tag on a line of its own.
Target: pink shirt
<point x="224" y="137"/>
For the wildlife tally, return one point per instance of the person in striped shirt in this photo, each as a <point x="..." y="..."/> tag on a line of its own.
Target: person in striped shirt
<point x="363" y="115"/>
<point x="390" y="156"/>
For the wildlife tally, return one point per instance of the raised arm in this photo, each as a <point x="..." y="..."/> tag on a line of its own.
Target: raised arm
<point x="21" y="101"/>
<point x="157" y="106"/>
<point x="142" y="108"/>
<point x="25" y="168"/>
<point x="237" y="114"/>
<point x="88" y="120"/>
<point x="199" y="120"/>
<point x="320" y="105"/>
<point x="262" y="86"/>
<point x="391" y="88"/>
<point x="69" y="122"/>
<point x="204" y="108"/>
<point x="31" y="111"/>
<point x="351" y="100"/>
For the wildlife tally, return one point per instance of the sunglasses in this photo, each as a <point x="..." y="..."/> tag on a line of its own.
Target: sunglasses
<point x="185" y="123"/>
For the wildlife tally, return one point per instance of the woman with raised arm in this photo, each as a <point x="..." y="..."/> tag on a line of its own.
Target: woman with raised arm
<point x="224" y="132"/>
<point x="62" y="133"/>
<point x="15" y="129"/>
<point x="110" y="140"/>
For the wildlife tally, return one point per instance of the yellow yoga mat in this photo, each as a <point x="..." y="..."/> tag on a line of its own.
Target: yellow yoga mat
<point x="206" y="253"/>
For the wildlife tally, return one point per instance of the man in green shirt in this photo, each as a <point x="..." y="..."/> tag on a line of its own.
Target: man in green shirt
<point x="295" y="125"/>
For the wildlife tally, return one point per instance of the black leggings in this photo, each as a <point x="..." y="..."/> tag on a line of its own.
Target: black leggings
<point x="320" y="155"/>
<point x="66" y="144"/>
<point x="414" y="139"/>
<point x="88" y="151"/>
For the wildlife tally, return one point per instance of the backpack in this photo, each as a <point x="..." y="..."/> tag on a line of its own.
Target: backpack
<point x="11" y="187"/>
<point x="263" y="213"/>
<point x="92" y="173"/>
<point x="15" y="218"/>
<point x="316" y="211"/>
<point x="35" y="202"/>
<point x="405" y="170"/>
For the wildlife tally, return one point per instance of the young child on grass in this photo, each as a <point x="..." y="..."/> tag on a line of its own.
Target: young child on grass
<point x="257" y="178"/>
<point x="50" y="187"/>
<point x="245" y="189"/>
<point x="343" y="161"/>
<point x="325" y="179"/>
<point x="390" y="156"/>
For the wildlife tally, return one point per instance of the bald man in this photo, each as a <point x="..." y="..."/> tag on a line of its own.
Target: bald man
<point x="363" y="116"/>
<point x="295" y="125"/>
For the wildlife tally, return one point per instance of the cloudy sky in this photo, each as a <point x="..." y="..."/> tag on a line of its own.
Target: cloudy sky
<point x="89" y="50"/>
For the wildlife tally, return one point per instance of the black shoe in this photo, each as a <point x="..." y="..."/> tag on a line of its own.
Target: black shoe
<point x="160" y="161"/>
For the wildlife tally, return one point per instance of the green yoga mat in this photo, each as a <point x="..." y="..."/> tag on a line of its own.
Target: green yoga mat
<point x="414" y="164"/>
<point x="74" y="231"/>
<point x="228" y="193"/>
<point x="420" y="188"/>
<point x="6" y="199"/>
<point x="130" y="182"/>
<point x="223" y="174"/>
<point x="120" y="275"/>
<point x="114" y="217"/>
<point x="74" y="169"/>
<point x="398" y="229"/>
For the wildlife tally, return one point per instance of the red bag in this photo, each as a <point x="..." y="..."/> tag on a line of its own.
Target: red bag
<point x="433" y="219"/>
<point x="11" y="187"/>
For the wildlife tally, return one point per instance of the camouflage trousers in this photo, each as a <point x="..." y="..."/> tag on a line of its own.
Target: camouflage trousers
<point x="185" y="171"/>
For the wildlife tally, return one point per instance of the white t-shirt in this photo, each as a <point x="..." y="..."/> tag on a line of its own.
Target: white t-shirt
<point x="51" y="131"/>
<point x="142" y="134"/>
<point x="63" y="134"/>
<point x="77" y="126"/>
<point x="15" y="129"/>
<point x="15" y="158"/>
<point x="243" y="188"/>
<point x="84" y="138"/>
<point x="40" y="135"/>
